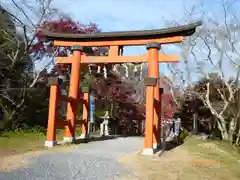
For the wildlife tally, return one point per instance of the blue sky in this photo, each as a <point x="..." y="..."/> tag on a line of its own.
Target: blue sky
<point x="113" y="15"/>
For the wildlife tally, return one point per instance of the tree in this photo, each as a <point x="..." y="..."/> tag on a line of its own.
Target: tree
<point x="21" y="50"/>
<point x="214" y="48"/>
<point x="168" y="106"/>
<point x="18" y="71"/>
<point x="127" y="92"/>
<point x="122" y="95"/>
<point x="12" y="69"/>
<point x="114" y="88"/>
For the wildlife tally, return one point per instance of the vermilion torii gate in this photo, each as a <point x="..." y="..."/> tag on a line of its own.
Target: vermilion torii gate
<point x="114" y="40"/>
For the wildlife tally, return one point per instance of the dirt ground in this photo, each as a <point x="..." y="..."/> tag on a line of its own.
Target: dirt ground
<point x="190" y="161"/>
<point x="10" y="162"/>
<point x="194" y="160"/>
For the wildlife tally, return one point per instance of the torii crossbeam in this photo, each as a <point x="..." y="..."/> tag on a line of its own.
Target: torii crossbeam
<point x="114" y="40"/>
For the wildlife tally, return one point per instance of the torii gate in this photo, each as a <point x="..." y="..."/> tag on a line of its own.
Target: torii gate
<point x="114" y="40"/>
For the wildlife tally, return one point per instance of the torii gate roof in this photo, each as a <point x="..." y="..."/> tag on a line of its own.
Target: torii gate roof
<point x="185" y="30"/>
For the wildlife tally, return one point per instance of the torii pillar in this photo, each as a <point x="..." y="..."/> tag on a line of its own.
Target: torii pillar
<point x="85" y="113"/>
<point x="153" y="71"/>
<point x="52" y="112"/>
<point x="73" y="95"/>
<point x="151" y="139"/>
<point x="115" y="40"/>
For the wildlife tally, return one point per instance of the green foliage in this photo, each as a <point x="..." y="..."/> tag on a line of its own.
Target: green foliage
<point x="35" y="129"/>
<point x="14" y="71"/>
<point x="216" y="85"/>
<point x="21" y="131"/>
<point x="216" y="124"/>
<point x="192" y="103"/>
<point x="99" y="113"/>
<point x="183" y="134"/>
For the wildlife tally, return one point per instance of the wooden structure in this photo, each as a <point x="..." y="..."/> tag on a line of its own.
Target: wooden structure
<point x="153" y="39"/>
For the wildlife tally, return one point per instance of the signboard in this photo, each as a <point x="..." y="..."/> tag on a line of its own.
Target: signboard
<point x="92" y="107"/>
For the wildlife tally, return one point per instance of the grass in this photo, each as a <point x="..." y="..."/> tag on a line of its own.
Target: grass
<point x="216" y="153"/>
<point x="196" y="159"/>
<point x="24" y="141"/>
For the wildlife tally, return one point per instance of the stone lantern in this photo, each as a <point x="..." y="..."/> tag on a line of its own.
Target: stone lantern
<point x="104" y="125"/>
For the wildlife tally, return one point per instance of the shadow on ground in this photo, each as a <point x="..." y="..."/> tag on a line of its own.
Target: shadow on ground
<point x="100" y="138"/>
<point x="171" y="145"/>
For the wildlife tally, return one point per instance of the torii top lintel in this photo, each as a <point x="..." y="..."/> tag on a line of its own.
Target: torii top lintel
<point x="124" y="38"/>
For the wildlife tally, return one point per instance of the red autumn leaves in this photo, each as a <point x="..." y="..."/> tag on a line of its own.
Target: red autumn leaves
<point x="118" y="90"/>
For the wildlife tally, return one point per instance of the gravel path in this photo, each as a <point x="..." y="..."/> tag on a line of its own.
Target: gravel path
<point x="96" y="161"/>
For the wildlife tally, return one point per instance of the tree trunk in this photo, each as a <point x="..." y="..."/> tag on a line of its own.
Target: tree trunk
<point x="232" y="130"/>
<point x="238" y="138"/>
<point x="225" y="136"/>
<point x="223" y="128"/>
